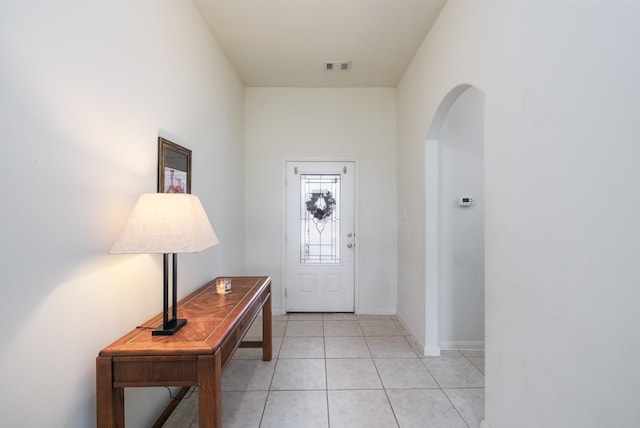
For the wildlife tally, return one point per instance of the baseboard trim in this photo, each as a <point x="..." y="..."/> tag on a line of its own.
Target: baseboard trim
<point x="282" y="311"/>
<point x="483" y="424"/>
<point x="366" y="311"/>
<point x="449" y="346"/>
<point x="432" y="351"/>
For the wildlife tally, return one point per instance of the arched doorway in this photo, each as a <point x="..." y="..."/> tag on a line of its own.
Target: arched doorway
<point x="454" y="165"/>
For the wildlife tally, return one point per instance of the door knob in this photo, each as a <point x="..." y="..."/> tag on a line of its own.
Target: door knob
<point x="349" y="245"/>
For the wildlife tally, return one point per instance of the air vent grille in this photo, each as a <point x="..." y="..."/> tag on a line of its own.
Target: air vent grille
<point x="337" y="65"/>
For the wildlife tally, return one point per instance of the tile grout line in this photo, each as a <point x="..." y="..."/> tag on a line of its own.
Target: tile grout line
<point x="264" y="406"/>
<point x="326" y="375"/>
<point x="386" y="394"/>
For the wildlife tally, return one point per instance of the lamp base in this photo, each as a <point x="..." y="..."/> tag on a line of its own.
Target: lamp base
<point x="170" y="328"/>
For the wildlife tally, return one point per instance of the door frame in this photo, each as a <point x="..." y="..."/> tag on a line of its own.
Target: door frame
<point x="356" y="225"/>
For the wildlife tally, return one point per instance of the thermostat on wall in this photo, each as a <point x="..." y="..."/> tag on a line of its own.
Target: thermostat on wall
<point x="465" y="201"/>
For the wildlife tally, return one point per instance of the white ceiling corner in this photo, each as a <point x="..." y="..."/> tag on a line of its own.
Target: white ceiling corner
<point x="285" y="43"/>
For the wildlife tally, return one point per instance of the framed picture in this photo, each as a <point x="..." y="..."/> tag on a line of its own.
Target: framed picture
<point x="174" y="167"/>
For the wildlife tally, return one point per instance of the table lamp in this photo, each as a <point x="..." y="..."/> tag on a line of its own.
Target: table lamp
<point x="166" y="223"/>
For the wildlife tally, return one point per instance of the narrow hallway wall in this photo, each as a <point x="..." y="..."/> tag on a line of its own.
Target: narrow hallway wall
<point x="85" y="90"/>
<point x="561" y="236"/>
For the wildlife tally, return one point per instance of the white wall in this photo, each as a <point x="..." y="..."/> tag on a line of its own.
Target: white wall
<point x="85" y="89"/>
<point x="461" y="229"/>
<point x="561" y="151"/>
<point x="301" y="124"/>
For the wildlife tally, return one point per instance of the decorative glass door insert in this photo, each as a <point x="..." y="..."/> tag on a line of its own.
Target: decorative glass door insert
<point x="319" y="237"/>
<point x="320" y="218"/>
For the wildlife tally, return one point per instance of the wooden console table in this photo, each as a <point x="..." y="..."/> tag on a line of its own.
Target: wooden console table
<point x="195" y="355"/>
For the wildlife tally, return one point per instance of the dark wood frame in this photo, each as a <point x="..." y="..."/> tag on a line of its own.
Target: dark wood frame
<point x="171" y="155"/>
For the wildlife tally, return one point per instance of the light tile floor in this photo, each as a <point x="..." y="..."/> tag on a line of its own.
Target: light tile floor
<point x="345" y="370"/>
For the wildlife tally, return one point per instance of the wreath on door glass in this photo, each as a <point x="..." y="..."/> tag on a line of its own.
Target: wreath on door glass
<point x="321" y="206"/>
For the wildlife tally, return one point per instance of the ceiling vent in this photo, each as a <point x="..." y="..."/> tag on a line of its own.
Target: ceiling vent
<point x="337" y="65"/>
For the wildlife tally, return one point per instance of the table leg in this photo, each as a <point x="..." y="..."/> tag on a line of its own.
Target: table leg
<point x="109" y="400"/>
<point x="210" y="390"/>
<point x="267" y="330"/>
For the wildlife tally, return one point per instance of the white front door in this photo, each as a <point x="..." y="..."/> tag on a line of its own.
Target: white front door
<point x="320" y="236"/>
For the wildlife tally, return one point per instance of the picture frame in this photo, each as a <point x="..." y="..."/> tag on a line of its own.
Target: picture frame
<point x="174" y="167"/>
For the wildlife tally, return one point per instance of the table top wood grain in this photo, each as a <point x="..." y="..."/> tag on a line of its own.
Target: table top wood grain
<point x="209" y="317"/>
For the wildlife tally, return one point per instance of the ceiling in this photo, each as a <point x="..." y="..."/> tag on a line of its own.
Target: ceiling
<point x="287" y="42"/>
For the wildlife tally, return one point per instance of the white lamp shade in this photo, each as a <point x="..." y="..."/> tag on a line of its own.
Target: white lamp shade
<point x="166" y="223"/>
